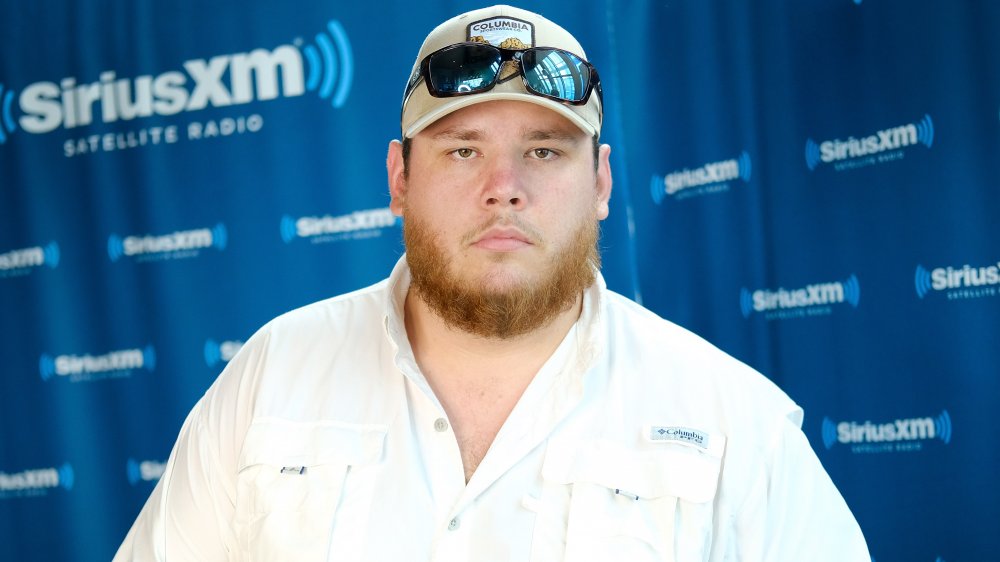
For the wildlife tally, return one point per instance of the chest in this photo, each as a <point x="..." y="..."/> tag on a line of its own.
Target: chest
<point x="562" y="500"/>
<point x="476" y="419"/>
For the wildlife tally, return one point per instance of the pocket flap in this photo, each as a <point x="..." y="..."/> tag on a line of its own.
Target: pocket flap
<point x="290" y="443"/>
<point x="666" y="469"/>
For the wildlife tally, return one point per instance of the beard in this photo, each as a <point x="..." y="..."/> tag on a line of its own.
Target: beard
<point x="471" y="305"/>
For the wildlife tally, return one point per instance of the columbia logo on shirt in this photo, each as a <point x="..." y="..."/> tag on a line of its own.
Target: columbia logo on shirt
<point x="683" y="434"/>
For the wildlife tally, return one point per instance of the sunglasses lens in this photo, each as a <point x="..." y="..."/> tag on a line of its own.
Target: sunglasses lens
<point x="464" y="68"/>
<point x="556" y="73"/>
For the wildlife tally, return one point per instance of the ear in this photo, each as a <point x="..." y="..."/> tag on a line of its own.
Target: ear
<point x="603" y="181"/>
<point x="397" y="180"/>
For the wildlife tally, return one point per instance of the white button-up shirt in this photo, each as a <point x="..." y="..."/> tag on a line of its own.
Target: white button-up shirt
<point x="636" y="441"/>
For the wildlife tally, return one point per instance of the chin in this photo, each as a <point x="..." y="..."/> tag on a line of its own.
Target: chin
<point x="503" y="278"/>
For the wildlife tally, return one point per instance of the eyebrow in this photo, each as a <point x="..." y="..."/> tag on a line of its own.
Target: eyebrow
<point x="560" y="135"/>
<point x="455" y="133"/>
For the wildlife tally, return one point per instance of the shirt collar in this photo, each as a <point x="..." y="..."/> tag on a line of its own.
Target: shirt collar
<point x="393" y="319"/>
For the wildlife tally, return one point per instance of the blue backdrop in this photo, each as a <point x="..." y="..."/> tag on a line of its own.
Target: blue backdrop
<point x="813" y="186"/>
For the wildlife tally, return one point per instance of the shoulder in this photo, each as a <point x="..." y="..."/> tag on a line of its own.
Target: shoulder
<point x="687" y="372"/>
<point x="334" y="314"/>
<point x="297" y="358"/>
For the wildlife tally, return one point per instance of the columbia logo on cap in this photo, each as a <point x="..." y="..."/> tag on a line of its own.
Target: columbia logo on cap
<point x="503" y="32"/>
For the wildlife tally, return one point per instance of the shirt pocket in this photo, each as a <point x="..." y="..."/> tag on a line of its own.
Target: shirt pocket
<point x="292" y="479"/>
<point x="621" y="503"/>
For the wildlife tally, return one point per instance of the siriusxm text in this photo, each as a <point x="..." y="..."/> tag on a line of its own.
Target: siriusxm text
<point x="174" y="242"/>
<point x="943" y="278"/>
<point x="151" y="470"/>
<point x="358" y="220"/>
<point x="29" y="479"/>
<point x="899" y="430"/>
<point x="125" y="359"/>
<point x="229" y="349"/>
<point x="251" y="76"/>
<point x="811" y="295"/>
<point x="887" y="139"/>
<point x="716" y="172"/>
<point x="26" y="257"/>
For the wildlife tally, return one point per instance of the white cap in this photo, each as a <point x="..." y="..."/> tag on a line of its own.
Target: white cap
<point x="506" y="27"/>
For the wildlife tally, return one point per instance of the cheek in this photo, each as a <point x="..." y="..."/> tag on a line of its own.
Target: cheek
<point x="435" y="216"/>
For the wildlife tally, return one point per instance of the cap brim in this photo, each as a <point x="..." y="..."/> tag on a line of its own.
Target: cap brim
<point x="458" y="102"/>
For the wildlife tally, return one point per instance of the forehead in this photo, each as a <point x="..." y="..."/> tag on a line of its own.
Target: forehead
<point x="505" y="118"/>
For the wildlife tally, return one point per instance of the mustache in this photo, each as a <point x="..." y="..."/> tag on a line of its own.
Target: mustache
<point x="530" y="232"/>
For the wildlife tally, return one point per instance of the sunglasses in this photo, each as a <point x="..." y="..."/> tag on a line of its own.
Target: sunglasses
<point x="472" y="68"/>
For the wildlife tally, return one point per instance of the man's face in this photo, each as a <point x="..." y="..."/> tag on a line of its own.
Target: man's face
<point x="500" y="206"/>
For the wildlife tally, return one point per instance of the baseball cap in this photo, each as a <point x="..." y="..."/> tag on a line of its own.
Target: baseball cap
<point x="500" y="26"/>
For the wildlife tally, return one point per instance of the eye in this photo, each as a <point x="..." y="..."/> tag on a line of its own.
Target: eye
<point x="543" y="153"/>
<point x="464" y="153"/>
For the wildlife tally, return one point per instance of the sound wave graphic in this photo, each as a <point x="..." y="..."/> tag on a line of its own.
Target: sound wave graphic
<point x="132" y="472"/>
<point x="852" y="291"/>
<point x="657" y="189"/>
<point x="829" y="433"/>
<point x="116" y="247"/>
<point x="66" y="476"/>
<point x="46" y="366"/>
<point x="52" y="255"/>
<point x="212" y="352"/>
<point x="7" y="123"/>
<point x="287" y="229"/>
<point x="331" y="64"/>
<point x="942" y="427"/>
<point x="812" y="154"/>
<point x="746" y="302"/>
<point x="746" y="166"/>
<point x="925" y="131"/>
<point x="149" y="358"/>
<point x="922" y="281"/>
<point x="220" y="237"/>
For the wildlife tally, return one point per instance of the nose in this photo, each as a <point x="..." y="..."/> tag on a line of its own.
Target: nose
<point x="504" y="186"/>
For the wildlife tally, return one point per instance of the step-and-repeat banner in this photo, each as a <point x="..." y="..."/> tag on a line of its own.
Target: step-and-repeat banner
<point x="813" y="186"/>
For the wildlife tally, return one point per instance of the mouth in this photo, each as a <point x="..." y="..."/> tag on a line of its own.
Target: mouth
<point x="502" y="239"/>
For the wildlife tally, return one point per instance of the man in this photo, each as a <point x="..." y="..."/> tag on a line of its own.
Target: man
<point x="492" y="400"/>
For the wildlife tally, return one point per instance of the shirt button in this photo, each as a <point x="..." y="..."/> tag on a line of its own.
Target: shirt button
<point x="453" y="524"/>
<point x="441" y="424"/>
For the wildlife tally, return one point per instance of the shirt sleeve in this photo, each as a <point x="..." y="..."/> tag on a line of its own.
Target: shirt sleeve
<point x="796" y="512"/>
<point x="190" y="514"/>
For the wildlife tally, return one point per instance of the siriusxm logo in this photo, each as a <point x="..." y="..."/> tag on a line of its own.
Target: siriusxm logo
<point x="114" y="364"/>
<point x="181" y="244"/>
<point x="7" y="124"/>
<point x="883" y="146"/>
<point x="966" y="282"/>
<point x="354" y="226"/>
<point x="24" y="260"/>
<point x="215" y="352"/>
<point x="36" y="482"/>
<point x="143" y="471"/>
<point x="811" y="300"/>
<point x="895" y="436"/>
<point x="220" y="81"/>
<point x="709" y="178"/>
